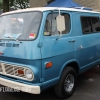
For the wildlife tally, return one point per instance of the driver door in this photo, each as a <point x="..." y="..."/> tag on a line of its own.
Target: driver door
<point x="56" y="49"/>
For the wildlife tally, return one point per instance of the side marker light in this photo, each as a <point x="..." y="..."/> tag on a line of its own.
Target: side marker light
<point x="49" y="65"/>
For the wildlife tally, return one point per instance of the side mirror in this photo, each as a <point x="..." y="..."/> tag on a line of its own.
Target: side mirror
<point x="60" y="23"/>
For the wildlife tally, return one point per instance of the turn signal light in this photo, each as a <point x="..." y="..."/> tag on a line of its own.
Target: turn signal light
<point x="20" y="72"/>
<point x="49" y="64"/>
<point x="1" y="53"/>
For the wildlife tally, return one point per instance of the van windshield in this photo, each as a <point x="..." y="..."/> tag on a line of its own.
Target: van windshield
<point x="21" y="26"/>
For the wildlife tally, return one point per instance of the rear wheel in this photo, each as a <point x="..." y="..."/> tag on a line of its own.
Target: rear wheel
<point x="67" y="83"/>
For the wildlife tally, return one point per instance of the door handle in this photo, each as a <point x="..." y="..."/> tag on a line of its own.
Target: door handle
<point x="72" y="41"/>
<point x="81" y="47"/>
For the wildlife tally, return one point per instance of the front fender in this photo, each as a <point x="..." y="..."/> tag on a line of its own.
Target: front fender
<point x="67" y="63"/>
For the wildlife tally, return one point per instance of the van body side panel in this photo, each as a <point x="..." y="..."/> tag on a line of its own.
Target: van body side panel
<point x="58" y="52"/>
<point x="87" y="46"/>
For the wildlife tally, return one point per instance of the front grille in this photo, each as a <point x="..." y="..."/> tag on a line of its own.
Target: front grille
<point x="9" y="69"/>
<point x="12" y="70"/>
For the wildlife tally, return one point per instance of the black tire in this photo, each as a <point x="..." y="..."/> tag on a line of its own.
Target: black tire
<point x="65" y="91"/>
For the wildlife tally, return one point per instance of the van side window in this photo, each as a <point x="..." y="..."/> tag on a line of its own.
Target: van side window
<point x="51" y="25"/>
<point x="95" y="24"/>
<point x="86" y="25"/>
<point x="90" y="24"/>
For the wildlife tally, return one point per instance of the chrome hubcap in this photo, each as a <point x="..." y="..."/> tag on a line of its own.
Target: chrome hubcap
<point x="69" y="83"/>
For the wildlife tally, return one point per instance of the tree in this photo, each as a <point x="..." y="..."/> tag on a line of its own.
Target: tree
<point x="21" y="4"/>
<point x="1" y="4"/>
<point x="16" y="4"/>
<point x="5" y="5"/>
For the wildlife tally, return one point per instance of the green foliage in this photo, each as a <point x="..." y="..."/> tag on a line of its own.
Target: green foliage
<point x="1" y="4"/>
<point x="16" y="4"/>
<point x="21" y="4"/>
<point x="1" y="1"/>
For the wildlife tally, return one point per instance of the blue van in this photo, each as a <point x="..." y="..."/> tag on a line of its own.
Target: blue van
<point x="45" y="47"/>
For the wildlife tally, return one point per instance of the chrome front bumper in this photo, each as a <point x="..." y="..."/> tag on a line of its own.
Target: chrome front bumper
<point x="20" y="86"/>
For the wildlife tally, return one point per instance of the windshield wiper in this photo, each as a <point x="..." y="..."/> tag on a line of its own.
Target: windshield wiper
<point x="12" y="38"/>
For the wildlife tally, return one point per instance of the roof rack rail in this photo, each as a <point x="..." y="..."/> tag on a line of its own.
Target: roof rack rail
<point x="83" y="8"/>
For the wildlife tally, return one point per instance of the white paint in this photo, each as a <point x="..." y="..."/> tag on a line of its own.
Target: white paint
<point x="42" y="9"/>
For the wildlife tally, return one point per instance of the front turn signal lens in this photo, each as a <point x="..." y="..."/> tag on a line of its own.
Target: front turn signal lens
<point x="20" y="72"/>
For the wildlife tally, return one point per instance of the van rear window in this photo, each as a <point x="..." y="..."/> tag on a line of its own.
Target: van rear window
<point x="90" y="25"/>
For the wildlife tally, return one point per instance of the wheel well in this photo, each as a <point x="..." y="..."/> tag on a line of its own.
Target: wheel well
<point x="74" y="65"/>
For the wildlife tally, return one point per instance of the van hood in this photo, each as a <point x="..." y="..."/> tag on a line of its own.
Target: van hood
<point x="21" y="50"/>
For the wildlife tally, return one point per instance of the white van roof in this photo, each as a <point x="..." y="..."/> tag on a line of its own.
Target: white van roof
<point x="42" y="9"/>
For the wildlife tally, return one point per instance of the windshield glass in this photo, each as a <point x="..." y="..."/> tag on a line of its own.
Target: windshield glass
<point x="21" y="26"/>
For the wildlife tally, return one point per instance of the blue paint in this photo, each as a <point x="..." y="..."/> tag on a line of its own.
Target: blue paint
<point x="36" y="53"/>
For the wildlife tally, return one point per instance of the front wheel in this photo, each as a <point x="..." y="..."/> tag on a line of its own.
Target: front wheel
<point x="67" y="83"/>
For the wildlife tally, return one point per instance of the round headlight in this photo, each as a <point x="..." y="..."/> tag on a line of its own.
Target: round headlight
<point x="28" y="74"/>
